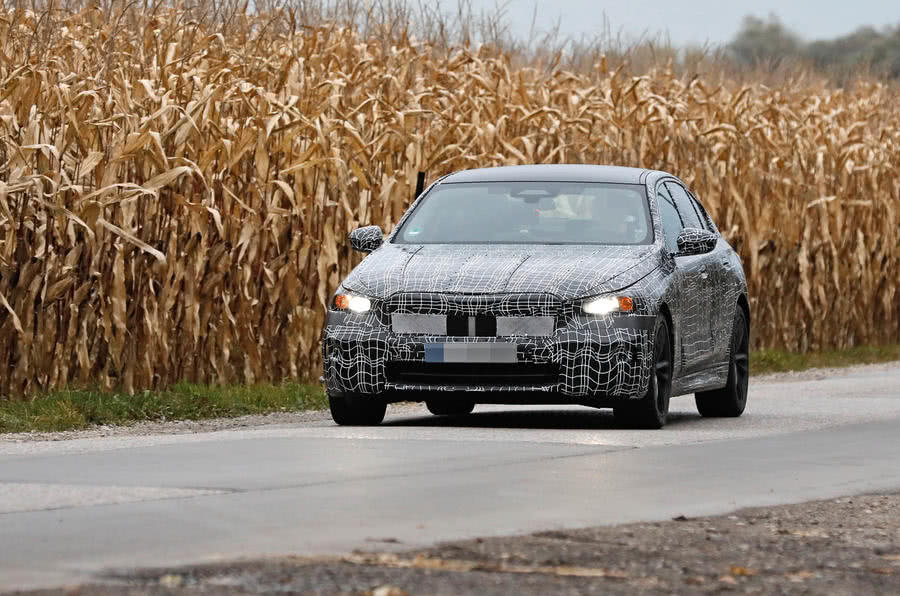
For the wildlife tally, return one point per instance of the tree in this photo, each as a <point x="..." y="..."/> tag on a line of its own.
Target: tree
<point x="764" y="42"/>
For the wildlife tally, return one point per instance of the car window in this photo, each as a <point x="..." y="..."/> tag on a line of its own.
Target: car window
<point x="689" y="216"/>
<point x="705" y="219"/>
<point x="530" y="213"/>
<point x="670" y="220"/>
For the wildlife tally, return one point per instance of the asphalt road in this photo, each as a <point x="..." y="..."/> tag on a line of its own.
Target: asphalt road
<point x="73" y="508"/>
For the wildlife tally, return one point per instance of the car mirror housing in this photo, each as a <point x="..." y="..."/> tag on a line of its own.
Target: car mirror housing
<point x="694" y="241"/>
<point x="366" y="239"/>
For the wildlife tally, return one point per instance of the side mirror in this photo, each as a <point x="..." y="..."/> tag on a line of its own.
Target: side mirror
<point x="366" y="239"/>
<point x="694" y="241"/>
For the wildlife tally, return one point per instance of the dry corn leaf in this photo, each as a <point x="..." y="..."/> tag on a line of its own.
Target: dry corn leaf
<point x="284" y="145"/>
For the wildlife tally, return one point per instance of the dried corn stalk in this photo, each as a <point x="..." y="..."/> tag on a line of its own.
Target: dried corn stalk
<point x="174" y="203"/>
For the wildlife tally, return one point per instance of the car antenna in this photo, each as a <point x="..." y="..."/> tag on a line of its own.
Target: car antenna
<point x="420" y="184"/>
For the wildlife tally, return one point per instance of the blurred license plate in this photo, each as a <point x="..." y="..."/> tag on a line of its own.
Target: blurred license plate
<point x="481" y="352"/>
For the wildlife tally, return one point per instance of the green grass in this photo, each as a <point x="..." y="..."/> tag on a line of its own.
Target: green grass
<point x="74" y="409"/>
<point x="772" y="361"/>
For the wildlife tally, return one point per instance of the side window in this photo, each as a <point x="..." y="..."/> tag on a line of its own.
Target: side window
<point x="670" y="220"/>
<point x="704" y="216"/>
<point x="685" y="206"/>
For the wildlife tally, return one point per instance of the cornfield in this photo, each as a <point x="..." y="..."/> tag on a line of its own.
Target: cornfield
<point x="174" y="200"/>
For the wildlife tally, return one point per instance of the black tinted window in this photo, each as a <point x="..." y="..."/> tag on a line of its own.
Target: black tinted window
<point x="670" y="220"/>
<point x="683" y="203"/>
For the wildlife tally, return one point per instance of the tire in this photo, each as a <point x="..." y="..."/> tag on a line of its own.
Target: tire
<point x="652" y="410"/>
<point x="357" y="410"/>
<point x="449" y="407"/>
<point x="730" y="400"/>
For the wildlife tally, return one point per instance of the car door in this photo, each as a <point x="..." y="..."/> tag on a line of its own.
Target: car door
<point x="722" y="275"/>
<point x="698" y="290"/>
<point x="687" y="332"/>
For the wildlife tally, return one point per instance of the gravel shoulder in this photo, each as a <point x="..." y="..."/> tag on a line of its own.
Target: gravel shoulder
<point x="286" y="419"/>
<point x="178" y="427"/>
<point x="844" y="546"/>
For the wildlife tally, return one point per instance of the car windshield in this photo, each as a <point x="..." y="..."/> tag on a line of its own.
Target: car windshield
<point x="530" y="213"/>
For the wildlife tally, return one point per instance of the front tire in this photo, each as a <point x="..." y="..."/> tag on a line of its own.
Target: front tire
<point x="357" y="410"/>
<point x="652" y="410"/>
<point x="730" y="400"/>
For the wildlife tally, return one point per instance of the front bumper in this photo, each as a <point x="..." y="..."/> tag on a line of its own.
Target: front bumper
<point x="585" y="359"/>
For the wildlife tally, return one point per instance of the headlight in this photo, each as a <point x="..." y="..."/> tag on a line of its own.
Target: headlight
<point x="352" y="302"/>
<point x="603" y="305"/>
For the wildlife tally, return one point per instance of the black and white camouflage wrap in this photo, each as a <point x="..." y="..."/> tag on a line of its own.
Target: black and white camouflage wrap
<point x="694" y="241"/>
<point x="583" y="358"/>
<point x="366" y="239"/>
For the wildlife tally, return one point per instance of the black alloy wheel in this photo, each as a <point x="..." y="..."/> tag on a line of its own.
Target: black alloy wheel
<point x="449" y="407"/>
<point x="357" y="410"/>
<point x="730" y="400"/>
<point x="652" y="410"/>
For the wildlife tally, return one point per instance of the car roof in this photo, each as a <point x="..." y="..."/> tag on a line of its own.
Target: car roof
<point x="550" y="173"/>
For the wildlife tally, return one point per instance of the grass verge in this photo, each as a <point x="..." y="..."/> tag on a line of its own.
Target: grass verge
<point x="76" y="409"/>
<point x="773" y="361"/>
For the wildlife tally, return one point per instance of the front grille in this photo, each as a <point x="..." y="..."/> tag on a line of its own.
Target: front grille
<point x="471" y="326"/>
<point x="477" y="326"/>
<point x="471" y="374"/>
<point x="473" y="315"/>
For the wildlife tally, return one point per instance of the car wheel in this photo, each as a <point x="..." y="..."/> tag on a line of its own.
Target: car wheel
<point x="652" y="410"/>
<point x="730" y="400"/>
<point x="449" y="407"/>
<point x="357" y="410"/>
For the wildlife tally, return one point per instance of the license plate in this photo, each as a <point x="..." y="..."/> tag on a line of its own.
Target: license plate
<point x="474" y="352"/>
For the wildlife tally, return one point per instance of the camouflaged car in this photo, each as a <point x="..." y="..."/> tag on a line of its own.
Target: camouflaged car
<point x="603" y="286"/>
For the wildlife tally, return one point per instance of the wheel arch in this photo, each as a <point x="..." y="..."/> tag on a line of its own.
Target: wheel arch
<point x="667" y="315"/>
<point x="744" y="304"/>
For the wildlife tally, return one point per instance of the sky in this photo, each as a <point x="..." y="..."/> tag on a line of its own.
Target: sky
<point x="693" y="21"/>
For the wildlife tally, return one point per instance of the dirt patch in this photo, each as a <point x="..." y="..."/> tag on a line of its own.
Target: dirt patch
<point x="845" y="546"/>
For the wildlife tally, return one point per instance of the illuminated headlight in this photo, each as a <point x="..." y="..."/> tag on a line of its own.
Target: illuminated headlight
<point x="352" y="302"/>
<point x="604" y="305"/>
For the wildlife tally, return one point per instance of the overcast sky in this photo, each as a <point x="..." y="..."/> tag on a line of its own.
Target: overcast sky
<point x="694" y="21"/>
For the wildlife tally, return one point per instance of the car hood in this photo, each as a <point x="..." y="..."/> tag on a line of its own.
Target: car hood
<point x="568" y="271"/>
